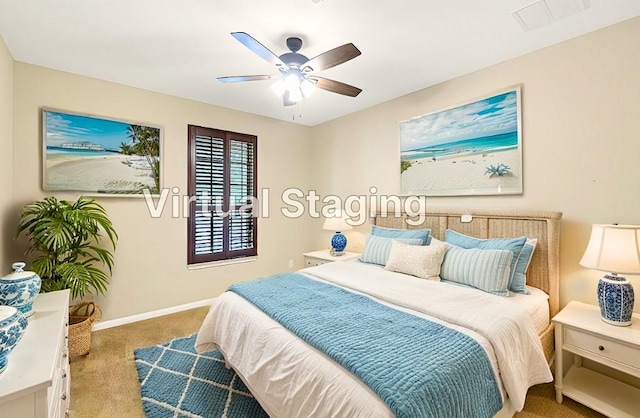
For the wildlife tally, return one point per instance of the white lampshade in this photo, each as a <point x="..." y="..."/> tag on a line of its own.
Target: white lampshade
<point x="308" y="88"/>
<point x="292" y="82"/>
<point x="295" y="95"/>
<point x="279" y="88"/>
<point x="337" y="224"/>
<point x="613" y="249"/>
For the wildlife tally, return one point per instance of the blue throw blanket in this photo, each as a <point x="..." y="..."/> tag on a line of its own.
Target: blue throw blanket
<point x="417" y="367"/>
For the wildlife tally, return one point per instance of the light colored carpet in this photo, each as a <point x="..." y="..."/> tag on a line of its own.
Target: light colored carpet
<point x="104" y="384"/>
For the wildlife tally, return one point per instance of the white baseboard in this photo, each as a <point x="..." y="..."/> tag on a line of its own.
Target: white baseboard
<point x="148" y="315"/>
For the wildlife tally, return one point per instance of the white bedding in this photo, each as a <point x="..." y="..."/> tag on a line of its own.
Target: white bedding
<point x="536" y="304"/>
<point x="291" y="379"/>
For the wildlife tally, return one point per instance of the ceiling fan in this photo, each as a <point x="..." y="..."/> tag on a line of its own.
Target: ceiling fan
<point x="297" y="77"/>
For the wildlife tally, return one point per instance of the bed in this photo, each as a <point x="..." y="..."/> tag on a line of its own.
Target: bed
<point x="290" y="377"/>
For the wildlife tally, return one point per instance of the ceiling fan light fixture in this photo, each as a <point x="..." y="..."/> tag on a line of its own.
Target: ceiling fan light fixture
<point x="307" y="87"/>
<point x="295" y="95"/>
<point x="293" y="85"/>
<point x="292" y="81"/>
<point x="278" y="87"/>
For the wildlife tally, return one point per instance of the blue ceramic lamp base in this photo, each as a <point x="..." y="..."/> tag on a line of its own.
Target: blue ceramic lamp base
<point x="616" y="298"/>
<point x="338" y="244"/>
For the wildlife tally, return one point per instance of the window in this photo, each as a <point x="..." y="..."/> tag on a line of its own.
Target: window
<point x="222" y="186"/>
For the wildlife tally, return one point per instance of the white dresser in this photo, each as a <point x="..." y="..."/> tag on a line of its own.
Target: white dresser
<point x="35" y="383"/>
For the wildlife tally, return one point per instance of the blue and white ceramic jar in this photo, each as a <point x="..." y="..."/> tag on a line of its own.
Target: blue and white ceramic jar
<point x="19" y="289"/>
<point x="615" y="296"/>
<point x="12" y="326"/>
<point x="338" y="242"/>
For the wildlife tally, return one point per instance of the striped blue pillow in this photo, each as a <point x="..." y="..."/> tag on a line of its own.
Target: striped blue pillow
<point x="377" y="249"/>
<point x="487" y="270"/>
<point x="514" y="245"/>
<point x="423" y="234"/>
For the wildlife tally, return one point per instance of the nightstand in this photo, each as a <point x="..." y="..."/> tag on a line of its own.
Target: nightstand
<point x="580" y="333"/>
<point x="315" y="258"/>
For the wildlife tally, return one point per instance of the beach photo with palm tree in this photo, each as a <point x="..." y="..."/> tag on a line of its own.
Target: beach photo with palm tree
<point x="101" y="156"/>
<point x="144" y="141"/>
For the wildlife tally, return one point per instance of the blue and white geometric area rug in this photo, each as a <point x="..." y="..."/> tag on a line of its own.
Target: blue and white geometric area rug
<point x="177" y="382"/>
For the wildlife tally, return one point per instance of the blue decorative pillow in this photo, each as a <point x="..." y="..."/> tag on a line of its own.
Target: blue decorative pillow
<point x="519" y="277"/>
<point x="377" y="249"/>
<point x="423" y="234"/>
<point x="487" y="270"/>
<point x="514" y="245"/>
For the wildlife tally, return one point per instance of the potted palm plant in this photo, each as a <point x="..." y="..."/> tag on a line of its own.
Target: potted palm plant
<point x="66" y="237"/>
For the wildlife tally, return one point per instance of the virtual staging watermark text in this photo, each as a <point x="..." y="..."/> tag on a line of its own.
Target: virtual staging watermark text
<point x="294" y="203"/>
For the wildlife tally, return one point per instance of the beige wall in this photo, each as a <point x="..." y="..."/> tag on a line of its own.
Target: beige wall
<point x="150" y="264"/>
<point x="581" y="141"/>
<point x="581" y="147"/>
<point x="6" y="156"/>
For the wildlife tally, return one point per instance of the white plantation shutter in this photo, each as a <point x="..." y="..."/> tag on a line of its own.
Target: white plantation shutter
<point x="209" y="182"/>
<point x="222" y="170"/>
<point x="241" y="224"/>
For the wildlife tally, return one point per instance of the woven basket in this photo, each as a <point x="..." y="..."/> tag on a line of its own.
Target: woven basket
<point x="81" y="319"/>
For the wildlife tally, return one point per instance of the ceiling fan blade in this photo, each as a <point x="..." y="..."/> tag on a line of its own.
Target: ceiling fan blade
<point x="285" y="99"/>
<point x="332" y="58"/>
<point x="259" y="49"/>
<point x="237" y="78"/>
<point x="336" y="86"/>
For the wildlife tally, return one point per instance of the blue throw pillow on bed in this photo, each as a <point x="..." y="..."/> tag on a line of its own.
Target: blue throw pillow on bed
<point x="515" y="245"/>
<point x="518" y="284"/>
<point x="487" y="270"/>
<point x="377" y="249"/>
<point x="423" y="234"/>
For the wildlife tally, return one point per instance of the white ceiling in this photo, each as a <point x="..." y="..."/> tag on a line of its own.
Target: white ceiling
<point x="180" y="47"/>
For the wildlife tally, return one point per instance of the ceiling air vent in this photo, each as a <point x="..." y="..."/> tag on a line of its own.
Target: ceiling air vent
<point x="545" y="12"/>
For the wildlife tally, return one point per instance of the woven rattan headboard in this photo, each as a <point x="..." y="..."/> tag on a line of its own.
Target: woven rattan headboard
<point x="543" y="271"/>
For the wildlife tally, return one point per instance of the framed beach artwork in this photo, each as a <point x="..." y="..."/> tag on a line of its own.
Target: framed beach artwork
<point x="100" y="156"/>
<point x="471" y="149"/>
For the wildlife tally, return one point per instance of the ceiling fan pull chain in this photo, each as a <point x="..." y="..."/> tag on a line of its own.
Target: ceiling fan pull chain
<point x="293" y="116"/>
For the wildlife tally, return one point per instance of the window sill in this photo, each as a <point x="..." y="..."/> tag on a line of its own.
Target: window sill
<point x="221" y="263"/>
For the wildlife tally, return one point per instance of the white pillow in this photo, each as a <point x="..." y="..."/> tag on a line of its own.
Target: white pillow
<point x="422" y="261"/>
<point x="436" y="241"/>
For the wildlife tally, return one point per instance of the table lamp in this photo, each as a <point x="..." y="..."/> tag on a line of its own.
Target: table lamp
<point x="614" y="249"/>
<point x="338" y="223"/>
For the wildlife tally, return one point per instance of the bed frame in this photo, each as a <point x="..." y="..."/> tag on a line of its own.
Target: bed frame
<point x="544" y="270"/>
